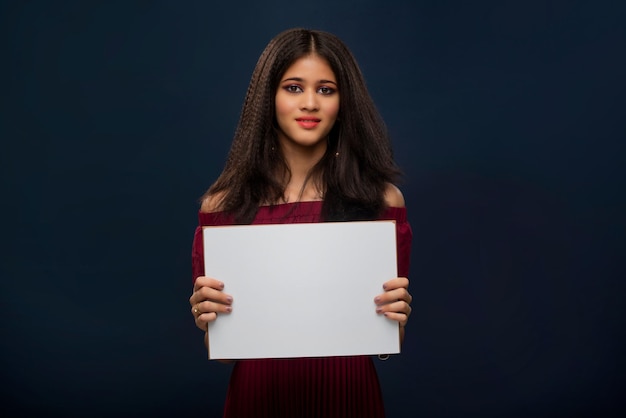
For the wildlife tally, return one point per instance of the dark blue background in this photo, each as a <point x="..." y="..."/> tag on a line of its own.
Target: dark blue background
<point x="507" y="118"/>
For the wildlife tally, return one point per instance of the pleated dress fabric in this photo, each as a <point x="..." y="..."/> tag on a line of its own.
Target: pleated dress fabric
<point x="329" y="387"/>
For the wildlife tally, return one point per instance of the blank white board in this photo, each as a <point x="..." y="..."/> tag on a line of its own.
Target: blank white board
<point x="302" y="290"/>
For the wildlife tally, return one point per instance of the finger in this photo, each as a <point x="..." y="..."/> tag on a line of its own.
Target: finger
<point x="393" y="295"/>
<point x="396" y="283"/>
<point x="206" y="312"/>
<point x="401" y="318"/>
<point x="396" y="307"/>
<point x="208" y="293"/>
<point x="208" y="306"/>
<point x="202" y="321"/>
<point x="202" y="281"/>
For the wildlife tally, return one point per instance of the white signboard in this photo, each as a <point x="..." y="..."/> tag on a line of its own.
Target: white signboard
<point x="302" y="290"/>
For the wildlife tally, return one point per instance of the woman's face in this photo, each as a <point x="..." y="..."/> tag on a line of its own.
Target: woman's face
<point x="307" y="104"/>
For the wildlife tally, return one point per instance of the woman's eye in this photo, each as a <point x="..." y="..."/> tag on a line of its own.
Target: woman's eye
<point x="293" y="89"/>
<point x="326" y="90"/>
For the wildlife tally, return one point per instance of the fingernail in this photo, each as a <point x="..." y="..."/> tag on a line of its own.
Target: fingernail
<point x="221" y="285"/>
<point x="228" y="309"/>
<point x="377" y="299"/>
<point x="229" y="299"/>
<point x="386" y="314"/>
<point x="385" y="286"/>
<point x="379" y="310"/>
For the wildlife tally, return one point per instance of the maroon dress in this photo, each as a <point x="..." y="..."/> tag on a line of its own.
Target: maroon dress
<point x="304" y="387"/>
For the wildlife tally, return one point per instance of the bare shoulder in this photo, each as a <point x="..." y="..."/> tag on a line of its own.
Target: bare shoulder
<point x="394" y="197"/>
<point x="212" y="203"/>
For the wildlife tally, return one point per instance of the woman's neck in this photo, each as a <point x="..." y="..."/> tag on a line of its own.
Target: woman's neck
<point x="301" y="187"/>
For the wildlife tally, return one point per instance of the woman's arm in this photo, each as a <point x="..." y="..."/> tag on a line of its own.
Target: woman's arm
<point x="395" y="302"/>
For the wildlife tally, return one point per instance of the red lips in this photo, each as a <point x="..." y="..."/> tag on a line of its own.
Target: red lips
<point x="308" y="122"/>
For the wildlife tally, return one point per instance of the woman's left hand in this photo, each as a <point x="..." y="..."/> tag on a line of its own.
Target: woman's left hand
<point x="395" y="302"/>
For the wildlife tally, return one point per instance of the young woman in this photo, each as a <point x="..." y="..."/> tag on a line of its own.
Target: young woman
<point x="310" y="147"/>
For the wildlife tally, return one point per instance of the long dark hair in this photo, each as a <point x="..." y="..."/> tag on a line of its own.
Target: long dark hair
<point x="358" y="163"/>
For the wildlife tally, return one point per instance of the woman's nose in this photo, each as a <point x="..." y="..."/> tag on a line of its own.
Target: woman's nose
<point x="309" y="101"/>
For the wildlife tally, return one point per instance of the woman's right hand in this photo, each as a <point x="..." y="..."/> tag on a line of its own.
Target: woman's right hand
<point x="207" y="300"/>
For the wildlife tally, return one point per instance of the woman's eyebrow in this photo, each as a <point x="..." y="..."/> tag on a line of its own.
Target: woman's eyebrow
<point x="300" y="80"/>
